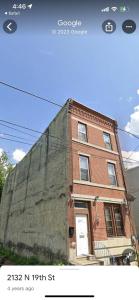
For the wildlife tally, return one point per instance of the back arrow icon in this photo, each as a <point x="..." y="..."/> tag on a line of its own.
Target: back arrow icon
<point x="8" y="26"/>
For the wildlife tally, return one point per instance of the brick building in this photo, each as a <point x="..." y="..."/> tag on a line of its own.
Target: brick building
<point x="67" y="197"/>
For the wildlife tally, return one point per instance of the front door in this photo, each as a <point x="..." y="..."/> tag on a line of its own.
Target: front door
<point x="82" y="235"/>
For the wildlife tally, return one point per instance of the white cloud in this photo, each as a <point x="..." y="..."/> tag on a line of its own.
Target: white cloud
<point x="18" y="155"/>
<point x="133" y="160"/>
<point x="133" y="124"/>
<point x="138" y="92"/>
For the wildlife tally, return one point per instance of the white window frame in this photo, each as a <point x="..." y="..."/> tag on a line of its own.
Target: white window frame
<point x="114" y="168"/>
<point x="85" y="133"/>
<point x="110" y="143"/>
<point x="87" y="157"/>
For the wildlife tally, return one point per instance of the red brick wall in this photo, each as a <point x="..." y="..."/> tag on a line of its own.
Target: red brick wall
<point x="95" y="136"/>
<point x="99" y="228"/>
<point x="98" y="170"/>
<point x="97" y="163"/>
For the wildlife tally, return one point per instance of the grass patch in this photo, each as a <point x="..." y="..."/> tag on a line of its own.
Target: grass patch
<point x="16" y="259"/>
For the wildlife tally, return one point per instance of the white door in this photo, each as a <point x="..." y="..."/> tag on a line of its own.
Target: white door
<point x="82" y="235"/>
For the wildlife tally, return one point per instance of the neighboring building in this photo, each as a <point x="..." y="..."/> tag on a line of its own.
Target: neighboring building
<point x="67" y="197"/>
<point x="132" y="179"/>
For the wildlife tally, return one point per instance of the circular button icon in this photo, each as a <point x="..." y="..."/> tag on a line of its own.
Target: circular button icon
<point x="129" y="26"/>
<point x="10" y="26"/>
<point x="109" y="26"/>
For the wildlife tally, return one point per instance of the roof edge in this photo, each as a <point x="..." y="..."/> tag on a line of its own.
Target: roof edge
<point x="90" y="110"/>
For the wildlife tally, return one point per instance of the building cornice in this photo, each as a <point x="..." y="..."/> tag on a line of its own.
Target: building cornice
<point x="93" y="125"/>
<point x="93" y="117"/>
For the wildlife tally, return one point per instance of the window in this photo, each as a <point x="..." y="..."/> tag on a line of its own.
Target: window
<point x="107" y="140"/>
<point x="109" y="221"/>
<point x="84" y="168"/>
<point x="114" y="220"/>
<point x="112" y="174"/>
<point x="118" y="220"/>
<point x="82" y="132"/>
<point x="80" y="204"/>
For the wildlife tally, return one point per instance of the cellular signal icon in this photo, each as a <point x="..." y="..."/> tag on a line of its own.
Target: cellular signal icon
<point x="30" y="6"/>
<point x="106" y="9"/>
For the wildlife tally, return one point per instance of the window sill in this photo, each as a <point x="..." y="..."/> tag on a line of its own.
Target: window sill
<point x="83" y="182"/>
<point x="115" y="237"/>
<point x="89" y="181"/>
<point x="94" y="146"/>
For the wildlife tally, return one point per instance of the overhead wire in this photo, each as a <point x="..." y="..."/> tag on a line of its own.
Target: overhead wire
<point x="23" y="132"/>
<point x="46" y="100"/>
<point x="2" y="134"/>
<point x="17" y="141"/>
<point x="46" y="133"/>
<point x="29" y="93"/>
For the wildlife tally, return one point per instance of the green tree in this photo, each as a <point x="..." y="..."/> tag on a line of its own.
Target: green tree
<point x="5" y="169"/>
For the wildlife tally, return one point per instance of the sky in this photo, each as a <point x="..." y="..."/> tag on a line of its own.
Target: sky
<point x="97" y="69"/>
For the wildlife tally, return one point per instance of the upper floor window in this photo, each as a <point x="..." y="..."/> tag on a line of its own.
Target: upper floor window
<point x="112" y="174"/>
<point x="114" y="220"/>
<point x="107" y="140"/>
<point x="84" y="168"/>
<point x="82" y="132"/>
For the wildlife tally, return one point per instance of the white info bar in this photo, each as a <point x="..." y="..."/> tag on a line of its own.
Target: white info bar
<point x="69" y="282"/>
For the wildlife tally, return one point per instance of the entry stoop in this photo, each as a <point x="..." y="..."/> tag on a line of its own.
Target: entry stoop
<point x="89" y="260"/>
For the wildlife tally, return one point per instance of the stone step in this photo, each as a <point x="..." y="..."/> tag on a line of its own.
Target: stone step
<point x="86" y="257"/>
<point x="91" y="257"/>
<point x="86" y="261"/>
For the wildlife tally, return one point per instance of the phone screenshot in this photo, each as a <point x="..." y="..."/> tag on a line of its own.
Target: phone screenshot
<point x="69" y="149"/>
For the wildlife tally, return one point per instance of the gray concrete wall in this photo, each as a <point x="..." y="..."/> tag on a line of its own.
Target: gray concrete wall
<point x="33" y="210"/>
<point x="132" y="180"/>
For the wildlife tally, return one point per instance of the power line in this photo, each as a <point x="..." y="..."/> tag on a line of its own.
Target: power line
<point x="54" y="146"/>
<point x="2" y="134"/>
<point x="132" y="152"/>
<point x="46" y="100"/>
<point x="17" y="130"/>
<point x="46" y="134"/>
<point x="74" y="151"/>
<point x="131" y="160"/>
<point x="57" y="147"/>
<point x="54" y="103"/>
<point x="14" y="141"/>
<point x="29" y="93"/>
<point x="21" y="126"/>
<point x="43" y="133"/>
<point x="128" y="132"/>
<point x="30" y="129"/>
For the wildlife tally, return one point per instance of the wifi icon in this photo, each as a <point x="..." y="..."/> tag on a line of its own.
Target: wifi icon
<point x="114" y="8"/>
